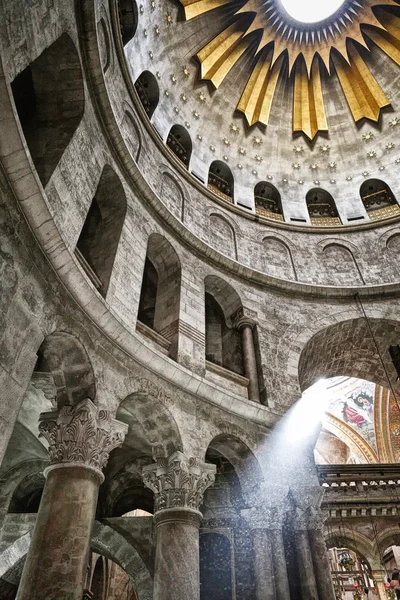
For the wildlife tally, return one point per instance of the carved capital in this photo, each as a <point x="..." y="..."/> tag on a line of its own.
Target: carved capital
<point x="178" y="481"/>
<point x="81" y="435"/>
<point x="243" y="322"/>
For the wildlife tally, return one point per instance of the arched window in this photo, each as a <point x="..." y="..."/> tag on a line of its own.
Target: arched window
<point x="268" y="201"/>
<point x="220" y="180"/>
<point x="149" y="94"/>
<point x="161" y="290"/>
<point x="98" y="242"/>
<point x="49" y="98"/>
<point x="128" y="19"/>
<point x="322" y="208"/>
<point x="378" y="199"/>
<point x="180" y="143"/>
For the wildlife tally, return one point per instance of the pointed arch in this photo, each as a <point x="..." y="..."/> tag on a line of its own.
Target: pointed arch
<point x="148" y="91"/>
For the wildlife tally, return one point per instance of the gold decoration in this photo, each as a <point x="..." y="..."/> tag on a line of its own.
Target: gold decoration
<point x="390" y="146"/>
<point x="169" y="19"/>
<point x="257" y="141"/>
<point x="282" y="46"/>
<point x="201" y="97"/>
<point x="325" y="149"/>
<point x="186" y="71"/>
<point x="394" y="122"/>
<point x="234" y="128"/>
<point x="367" y="137"/>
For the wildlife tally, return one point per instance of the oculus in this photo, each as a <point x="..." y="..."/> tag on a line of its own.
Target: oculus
<point x="303" y="52"/>
<point x="311" y="11"/>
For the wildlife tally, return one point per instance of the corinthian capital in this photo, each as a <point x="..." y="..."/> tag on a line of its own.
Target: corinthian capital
<point x="178" y="481"/>
<point x="265" y="518"/>
<point x="81" y="435"/>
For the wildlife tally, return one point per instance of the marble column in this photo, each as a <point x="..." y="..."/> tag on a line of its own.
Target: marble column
<point x="270" y="571"/>
<point x="246" y="325"/>
<point x="80" y="439"/>
<point x="306" y="574"/>
<point x="379" y="578"/>
<point x="178" y="483"/>
<point x="319" y="554"/>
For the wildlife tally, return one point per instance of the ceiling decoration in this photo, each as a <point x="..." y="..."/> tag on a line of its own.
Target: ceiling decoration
<point x="284" y="47"/>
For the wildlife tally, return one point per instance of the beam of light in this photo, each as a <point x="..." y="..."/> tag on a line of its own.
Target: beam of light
<point x="311" y="11"/>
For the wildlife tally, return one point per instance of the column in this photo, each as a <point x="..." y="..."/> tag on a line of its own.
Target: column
<point x="80" y="439"/>
<point x="269" y="554"/>
<point x="379" y="578"/>
<point x="304" y="557"/>
<point x="245" y="325"/>
<point x="319" y="554"/>
<point x="178" y="483"/>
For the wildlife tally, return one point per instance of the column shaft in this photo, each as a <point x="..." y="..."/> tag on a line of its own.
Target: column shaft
<point x="263" y="565"/>
<point x="322" y="568"/>
<point x="177" y="571"/>
<point x="279" y="564"/>
<point x="55" y="567"/>
<point x="306" y="568"/>
<point x="250" y="362"/>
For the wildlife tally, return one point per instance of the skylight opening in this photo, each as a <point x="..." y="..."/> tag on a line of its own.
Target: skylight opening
<point x="311" y="11"/>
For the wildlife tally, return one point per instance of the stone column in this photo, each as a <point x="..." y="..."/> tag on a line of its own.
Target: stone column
<point x="246" y="325"/>
<point x="178" y="483"/>
<point x="379" y="578"/>
<point x="319" y="554"/>
<point x="304" y="556"/>
<point x="270" y="571"/>
<point x="80" y="439"/>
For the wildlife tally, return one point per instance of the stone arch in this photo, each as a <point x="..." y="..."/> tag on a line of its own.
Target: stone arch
<point x="148" y="91"/>
<point x="180" y="143"/>
<point x="15" y="480"/>
<point x="390" y="536"/>
<point x="98" y="242"/>
<point x="322" y="208"/>
<point x="50" y="114"/>
<point x="65" y="357"/>
<point x="27" y="494"/>
<point x="223" y="341"/>
<point x="103" y="34"/>
<point x="220" y="180"/>
<point x="348" y="349"/>
<point x="268" y="200"/>
<point x="376" y="195"/>
<point x="223" y="236"/>
<point x="278" y="258"/>
<point x="172" y="195"/>
<point x="340" y="263"/>
<point x="354" y="540"/>
<point x="128" y="19"/>
<point x="159" y="306"/>
<point x="393" y="244"/>
<point x="133" y="137"/>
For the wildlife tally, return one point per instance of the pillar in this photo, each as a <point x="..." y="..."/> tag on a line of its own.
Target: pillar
<point x="379" y="578"/>
<point x="246" y="325"/>
<point x="306" y="574"/>
<point x="270" y="571"/>
<point x="319" y="554"/>
<point x="178" y="483"/>
<point x="80" y="439"/>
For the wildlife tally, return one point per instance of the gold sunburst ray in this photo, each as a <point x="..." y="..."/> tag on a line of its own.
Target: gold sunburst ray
<point x="303" y="48"/>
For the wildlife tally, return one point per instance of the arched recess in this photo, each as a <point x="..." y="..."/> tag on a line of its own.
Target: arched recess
<point x="341" y="265"/>
<point x="65" y="358"/>
<point x="223" y="340"/>
<point x="343" y="537"/>
<point x="322" y="208"/>
<point x="98" y="585"/>
<point x="180" y="143"/>
<point x="99" y="238"/>
<point x="223" y="236"/>
<point x="159" y="305"/>
<point x="215" y="567"/>
<point x="133" y="138"/>
<point x="347" y="349"/>
<point x="378" y="199"/>
<point x="172" y="195"/>
<point x="393" y="244"/>
<point x="148" y="91"/>
<point x="128" y="19"/>
<point x="49" y="98"/>
<point x="268" y="201"/>
<point x="220" y="180"/>
<point x="27" y="495"/>
<point x="278" y="259"/>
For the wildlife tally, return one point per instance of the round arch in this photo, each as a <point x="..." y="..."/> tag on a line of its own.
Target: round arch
<point x="321" y="206"/>
<point x="220" y="179"/>
<point x="376" y="194"/>
<point x="180" y="143"/>
<point x="148" y="91"/>
<point x="267" y="199"/>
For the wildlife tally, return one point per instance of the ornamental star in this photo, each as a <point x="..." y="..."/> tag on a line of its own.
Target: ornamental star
<point x="296" y="166"/>
<point x="281" y="45"/>
<point x="390" y="146"/>
<point x="257" y="141"/>
<point x="368" y="137"/>
<point x="324" y="149"/>
<point x="234" y="128"/>
<point x="394" y="122"/>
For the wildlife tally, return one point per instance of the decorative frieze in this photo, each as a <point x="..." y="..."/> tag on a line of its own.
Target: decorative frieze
<point x="81" y="435"/>
<point x="178" y="481"/>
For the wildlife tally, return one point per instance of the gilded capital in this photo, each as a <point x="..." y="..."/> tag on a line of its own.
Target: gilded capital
<point x="81" y="435"/>
<point x="178" y="481"/>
